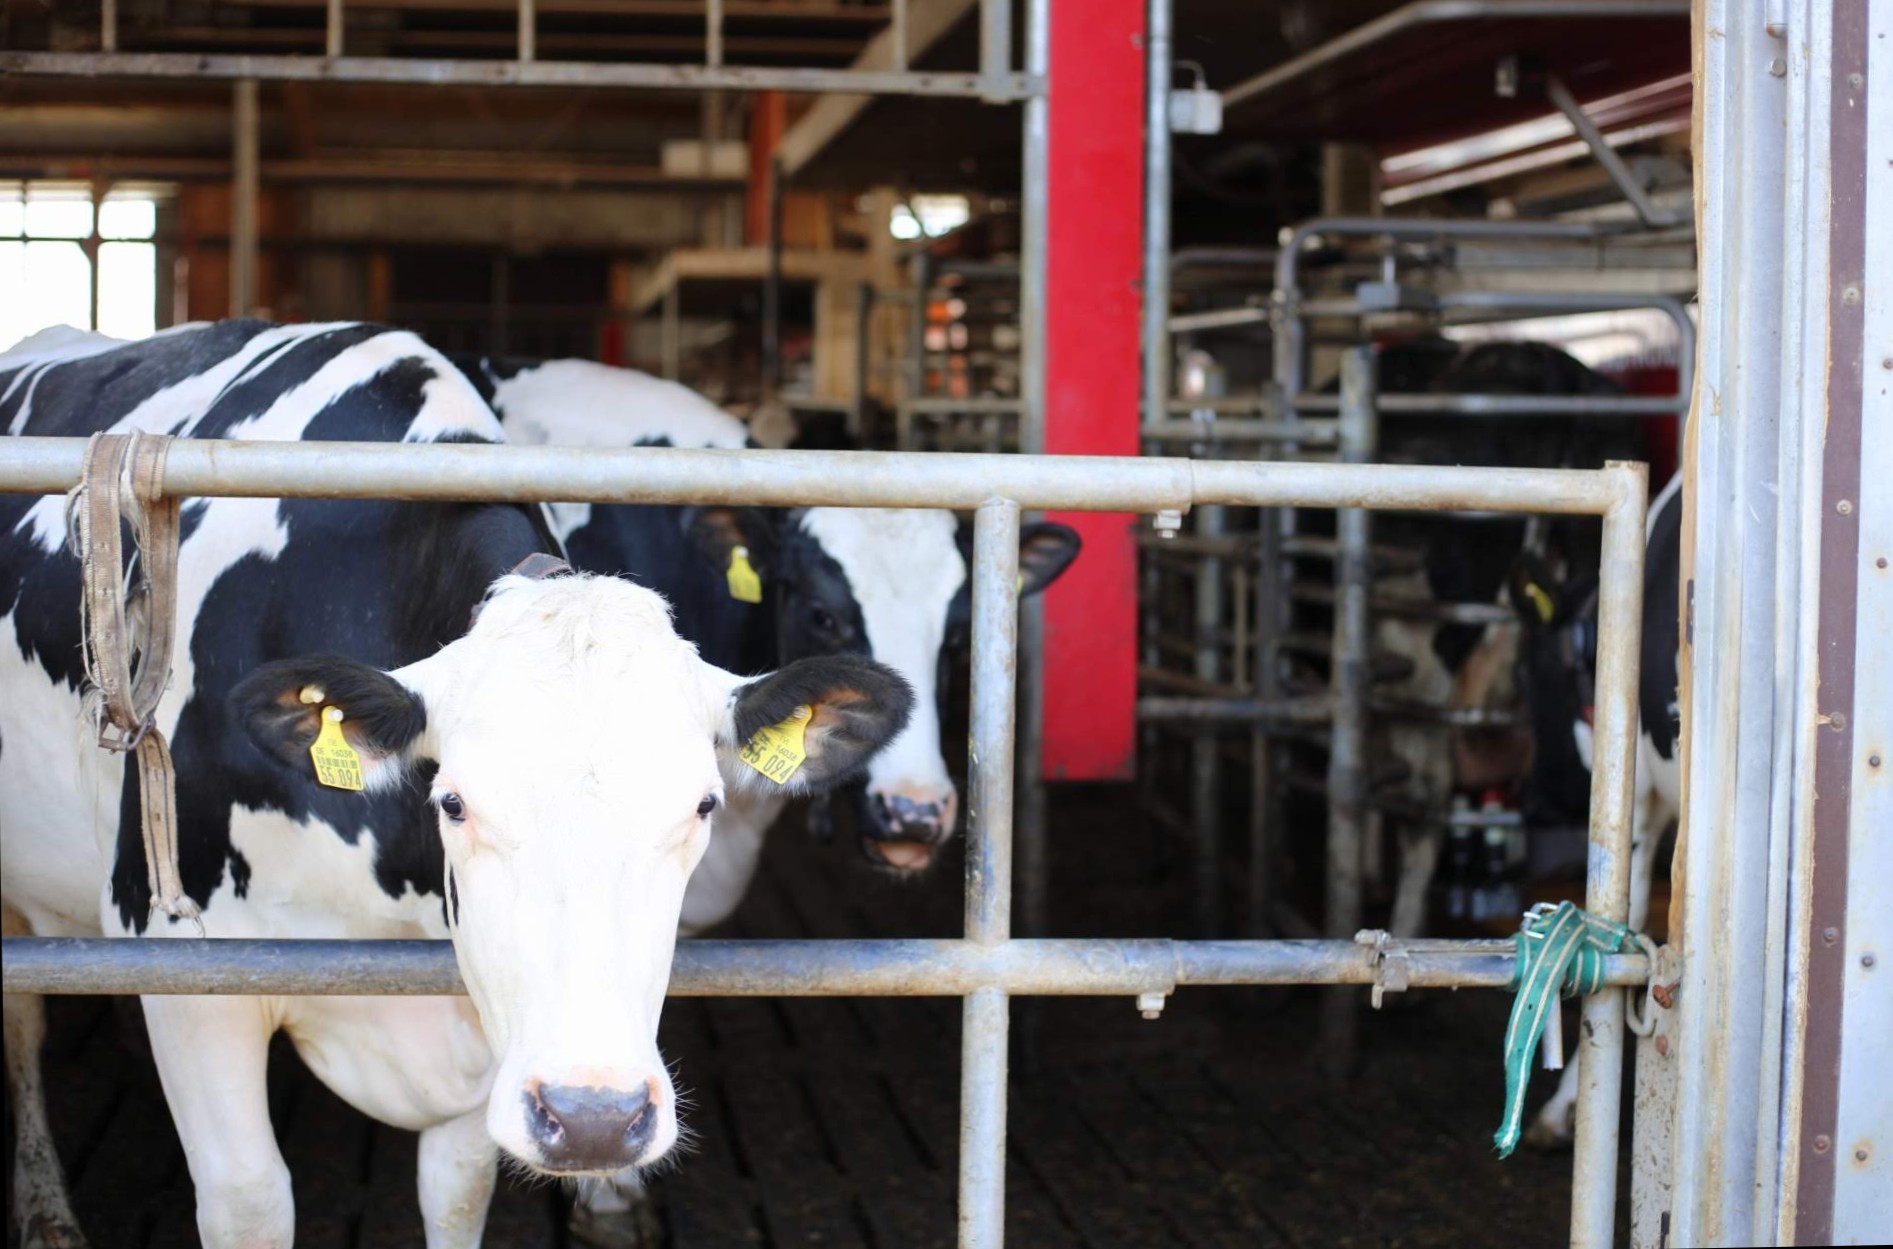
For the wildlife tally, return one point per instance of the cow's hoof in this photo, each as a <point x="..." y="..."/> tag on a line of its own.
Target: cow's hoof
<point x="1547" y="1137"/>
<point x="635" y="1228"/>
<point x="44" y="1232"/>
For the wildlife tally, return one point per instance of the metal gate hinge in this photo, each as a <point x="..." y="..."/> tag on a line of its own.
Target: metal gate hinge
<point x="1393" y="969"/>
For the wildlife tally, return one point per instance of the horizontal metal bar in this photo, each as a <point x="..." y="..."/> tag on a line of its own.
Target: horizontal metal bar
<point x="1091" y="968"/>
<point x="1508" y="405"/>
<point x="465" y="472"/>
<point x="1427" y="12"/>
<point x="513" y="73"/>
<point x="1219" y="318"/>
<point x="1313" y="710"/>
<point x="935" y="404"/>
<point x="1240" y="429"/>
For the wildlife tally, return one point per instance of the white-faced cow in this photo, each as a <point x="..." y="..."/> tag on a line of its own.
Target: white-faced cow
<point x="890" y="584"/>
<point x="886" y="584"/>
<point x="1557" y="665"/>
<point x="538" y="785"/>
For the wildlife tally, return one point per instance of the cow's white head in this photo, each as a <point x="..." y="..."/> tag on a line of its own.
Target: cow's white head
<point x="890" y="584"/>
<point x="579" y="747"/>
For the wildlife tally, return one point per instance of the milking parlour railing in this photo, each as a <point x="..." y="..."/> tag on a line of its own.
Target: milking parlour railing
<point x="987" y="966"/>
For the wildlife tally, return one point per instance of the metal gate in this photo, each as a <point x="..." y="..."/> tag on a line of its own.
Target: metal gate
<point x="987" y="966"/>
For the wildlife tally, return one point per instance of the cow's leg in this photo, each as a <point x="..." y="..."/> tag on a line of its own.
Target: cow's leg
<point x="39" y="1204"/>
<point x="457" y="1174"/>
<point x="616" y="1213"/>
<point x="1555" y="1124"/>
<point x="1419" y="859"/>
<point x="213" y="1057"/>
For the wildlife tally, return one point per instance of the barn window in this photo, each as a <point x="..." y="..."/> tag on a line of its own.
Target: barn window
<point x="929" y="215"/>
<point x="49" y="237"/>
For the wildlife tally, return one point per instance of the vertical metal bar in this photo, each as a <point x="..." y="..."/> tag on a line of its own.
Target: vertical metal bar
<point x="93" y="245"/>
<point x="995" y="38"/>
<point x="244" y="141"/>
<point x="1205" y="758"/>
<point x="989" y="870"/>
<point x="671" y="330"/>
<point x="917" y="326"/>
<point x="528" y="30"/>
<point x="1268" y="607"/>
<point x="863" y="359"/>
<point x="1157" y="212"/>
<point x="772" y="287"/>
<point x="713" y="33"/>
<point x="1034" y="858"/>
<point x="1347" y="743"/>
<point x="108" y="25"/>
<point x="332" y="30"/>
<point x="995" y="666"/>
<point x="1607" y="883"/>
<point x="983" y="1121"/>
<point x="897" y="33"/>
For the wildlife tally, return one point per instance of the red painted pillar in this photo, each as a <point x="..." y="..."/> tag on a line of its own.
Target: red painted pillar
<point x="1093" y="250"/>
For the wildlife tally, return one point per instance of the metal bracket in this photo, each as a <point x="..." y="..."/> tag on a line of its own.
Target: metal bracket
<point x="1393" y="969"/>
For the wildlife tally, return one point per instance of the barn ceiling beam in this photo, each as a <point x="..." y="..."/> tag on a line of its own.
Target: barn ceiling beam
<point x="479" y="169"/>
<point x="927" y="23"/>
<point x="584" y="74"/>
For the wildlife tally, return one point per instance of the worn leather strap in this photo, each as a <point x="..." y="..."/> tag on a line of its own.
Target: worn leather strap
<point x="128" y="654"/>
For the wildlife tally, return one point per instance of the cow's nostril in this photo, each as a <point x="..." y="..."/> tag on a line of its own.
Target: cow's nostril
<point x="546" y="1129"/>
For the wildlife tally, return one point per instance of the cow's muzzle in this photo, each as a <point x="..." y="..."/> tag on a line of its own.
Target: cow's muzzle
<point x="583" y="1129"/>
<point x="903" y="832"/>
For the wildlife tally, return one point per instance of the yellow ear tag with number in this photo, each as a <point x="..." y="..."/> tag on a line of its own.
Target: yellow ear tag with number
<point x="1540" y="600"/>
<point x="778" y="750"/>
<point x="745" y="584"/>
<point x="336" y="763"/>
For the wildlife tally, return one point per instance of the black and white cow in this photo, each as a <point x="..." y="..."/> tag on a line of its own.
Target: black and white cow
<point x="1468" y="560"/>
<point x="539" y="783"/>
<point x="890" y="584"/>
<point x="1557" y="661"/>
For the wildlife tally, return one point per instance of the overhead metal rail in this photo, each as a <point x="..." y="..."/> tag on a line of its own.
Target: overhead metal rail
<point x="987" y="967"/>
<point x="994" y="81"/>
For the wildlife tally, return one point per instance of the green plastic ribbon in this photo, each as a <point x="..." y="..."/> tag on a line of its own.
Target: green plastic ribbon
<point x="1561" y="952"/>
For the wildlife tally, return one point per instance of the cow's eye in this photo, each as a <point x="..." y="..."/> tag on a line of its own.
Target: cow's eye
<point x="707" y="805"/>
<point x="822" y="619"/>
<point x="453" y="808"/>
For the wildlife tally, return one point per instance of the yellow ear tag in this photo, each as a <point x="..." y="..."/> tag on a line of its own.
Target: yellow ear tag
<point x="745" y="584"/>
<point x="336" y="763"/>
<point x="1540" y="600"/>
<point x="778" y="750"/>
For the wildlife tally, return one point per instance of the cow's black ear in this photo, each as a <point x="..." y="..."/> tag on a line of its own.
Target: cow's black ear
<point x="1046" y="550"/>
<point x="281" y="704"/>
<point x="855" y="707"/>
<point x="717" y="531"/>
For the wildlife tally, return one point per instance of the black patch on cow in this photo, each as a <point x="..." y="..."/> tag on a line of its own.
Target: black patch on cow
<point x="1662" y="572"/>
<point x="385" y="584"/>
<point x="453" y="899"/>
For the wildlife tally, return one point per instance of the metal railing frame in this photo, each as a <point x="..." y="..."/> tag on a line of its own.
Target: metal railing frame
<point x="988" y="966"/>
<point x="994" y="81"/>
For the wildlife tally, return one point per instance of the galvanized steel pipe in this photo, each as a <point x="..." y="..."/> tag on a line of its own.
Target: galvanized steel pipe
<point x="471" y="473"/>
<point x="1601" y="1041"/>
<point x="853" y="968"/>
